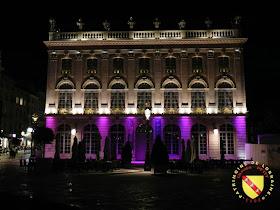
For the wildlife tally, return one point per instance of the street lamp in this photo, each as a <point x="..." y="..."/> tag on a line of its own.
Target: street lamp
<point x="34" y="118"/>
<point x="147" y="165"/>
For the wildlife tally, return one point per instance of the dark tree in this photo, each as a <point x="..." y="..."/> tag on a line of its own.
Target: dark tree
<point x="159" y="156"/>
<point x="82" y="151"/>
<point x="126" y="154"/>
<point x="43" y="136"/>
<point x="107" y="149"/>
<point x="113" y="149"/>
<point x="57" y="147"/>
<point x="75" y="154"/>
<point x="98" y="154"/>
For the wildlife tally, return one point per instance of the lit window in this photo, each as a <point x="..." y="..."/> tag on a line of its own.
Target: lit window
<point x="17" y="100"/>
<point x="21" y="101"/>
<point x="144" y="65"/>
<point x="66" y="66"/>
<point x="224" y="64"/>
<point x="197" y="65"/>
<point x="117" y="65"/>
<point x="92" y="66"/>
<point x="170" y="65"/>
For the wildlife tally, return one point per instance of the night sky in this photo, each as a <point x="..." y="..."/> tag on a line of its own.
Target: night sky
<point x="24" y="55"/>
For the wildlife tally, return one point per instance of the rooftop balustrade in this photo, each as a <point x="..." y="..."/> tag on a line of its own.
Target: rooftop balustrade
<point x="137" y="35"/>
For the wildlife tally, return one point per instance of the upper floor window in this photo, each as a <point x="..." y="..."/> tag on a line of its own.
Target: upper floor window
<point x="118" y="96"/>
<point x="223" y="64"/>
<point x="65" y="100"/>
<point x="170" y="65"/>
<point x="91" y="65"/>
<point x="144" y="95"/>
<point x="225" y="96"/>
<point x="117" y="65"/>
<point x="91" y="100"/>
<point x="144" y="65"/>
<point x="66" y="65"/>
<point x="197" y="64"/>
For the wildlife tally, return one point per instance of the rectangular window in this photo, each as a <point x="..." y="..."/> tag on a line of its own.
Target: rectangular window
<point x="65" y="142"/>
<point x="117" y="100"/>
<point x="197" y="64"/>
<point x="143" y="98"/>
<point x="66" y="66"/>
<point x="117" y="65"/>
<point x="92" y="66"/>
<point x="198" y="99"/>
<point x="65" y="100"/>
<point x="171" y="99"/>
<point x="224" y="64"/>
<point x="91" y="100"/>
<point x="144" y="65"/>
<point x="225" y="99"/>
<point x="170" y="65"/>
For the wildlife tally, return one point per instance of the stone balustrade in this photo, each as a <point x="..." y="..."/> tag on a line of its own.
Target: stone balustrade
<point x="128" y="35"/>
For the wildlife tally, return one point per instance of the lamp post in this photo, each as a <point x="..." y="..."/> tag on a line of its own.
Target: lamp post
<point x="147" y="165"/>
<point x="34" y="118"/>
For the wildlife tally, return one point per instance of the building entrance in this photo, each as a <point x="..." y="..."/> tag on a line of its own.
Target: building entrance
<point x="141" y="141"/>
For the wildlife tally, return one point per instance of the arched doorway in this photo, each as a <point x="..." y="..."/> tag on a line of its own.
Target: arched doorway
<point x="141" y="141"/>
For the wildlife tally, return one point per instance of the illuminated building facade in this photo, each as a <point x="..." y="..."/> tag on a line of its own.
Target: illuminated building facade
<point x="100" y="81"/>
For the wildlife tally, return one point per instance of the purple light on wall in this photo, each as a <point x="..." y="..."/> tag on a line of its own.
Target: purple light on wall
<point x="185" y="123"/>
<point x="103" y="124"/>
<point x="51" y="123"/>
<point x="239" y="123"/>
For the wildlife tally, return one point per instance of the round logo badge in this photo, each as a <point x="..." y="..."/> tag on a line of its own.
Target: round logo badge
<point x="252" y="182"/>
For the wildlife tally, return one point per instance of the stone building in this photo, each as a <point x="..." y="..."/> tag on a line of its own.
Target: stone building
<point x="100" y="81"/>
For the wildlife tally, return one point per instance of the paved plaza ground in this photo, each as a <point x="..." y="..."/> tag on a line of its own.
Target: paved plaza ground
<point x="122" y="189"/>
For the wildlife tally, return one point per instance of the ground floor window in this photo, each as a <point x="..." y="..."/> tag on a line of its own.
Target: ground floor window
<point x="199" y="134"/>
<point x="117" y="133"/>
<point x="171" y="138"/>
<point x="64" y="132"/>
<point x="227" y="138"/>
<point x="91" y="137"/>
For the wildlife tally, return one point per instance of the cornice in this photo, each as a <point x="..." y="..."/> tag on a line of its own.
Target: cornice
<point x="105" y="43"/>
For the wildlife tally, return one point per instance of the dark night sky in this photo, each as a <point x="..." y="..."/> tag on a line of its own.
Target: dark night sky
<point x="24" y="54"/>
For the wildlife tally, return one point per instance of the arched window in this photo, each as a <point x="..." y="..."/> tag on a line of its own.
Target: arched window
<point x="117" y="133"/>
<point x="64" y="131"/>
<point x="91" y="138"/>
<point x="172" y="135"/>
<point x="199" y="134"/>
<point x="227" y="138"/>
